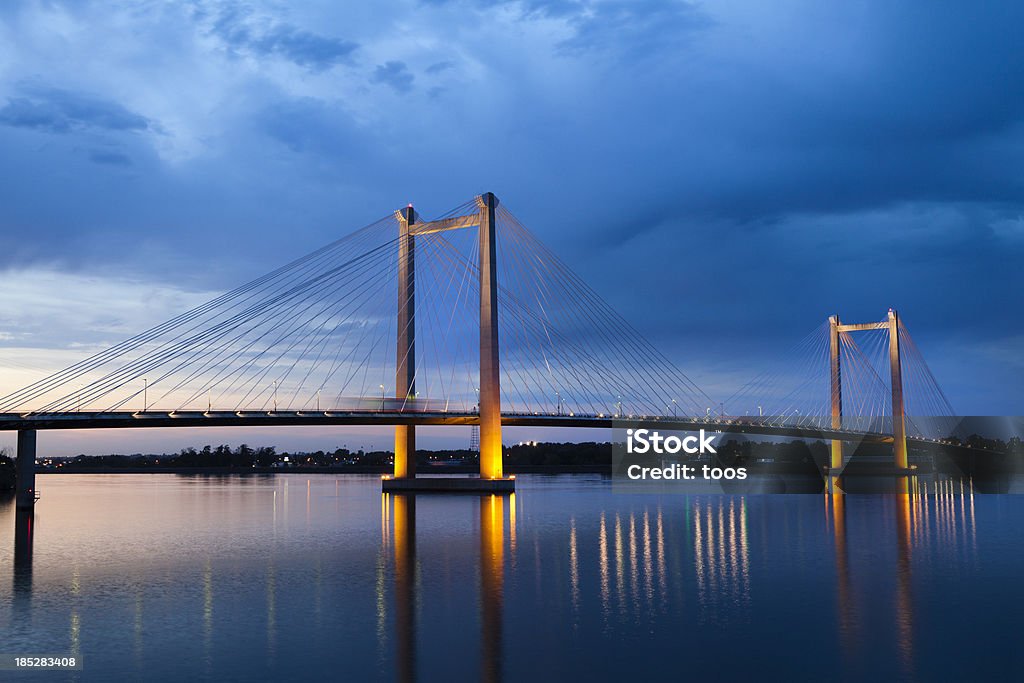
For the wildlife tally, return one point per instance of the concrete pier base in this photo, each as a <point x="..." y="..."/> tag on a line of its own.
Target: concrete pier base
<point x="448" y="485"/>
<point x="25" y="469"/>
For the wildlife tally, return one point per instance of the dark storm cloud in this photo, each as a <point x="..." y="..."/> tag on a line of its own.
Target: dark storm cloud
<point x="60" y="111"/>
<point x="394" y="74"/>
<point x="110" y="158"/>
<point x="235" y="26"/>
<point x="906" y="106"/>
<point x="438" y="67"/>
<point x="304" y="48"/>
<point x="556" y="8"/>
<point x="637" y="28"/>
<point x="307" y="125"/>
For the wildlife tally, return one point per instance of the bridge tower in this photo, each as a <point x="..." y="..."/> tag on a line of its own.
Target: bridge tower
<point x="405" y="359"/>
<point x="899" y="418"/>
<point x="835" y="372"/>
<point x="899" y="423"/>
<point x="490" y="370"/>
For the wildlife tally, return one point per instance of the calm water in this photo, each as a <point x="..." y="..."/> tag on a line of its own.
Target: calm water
<point x="294" y="577"/>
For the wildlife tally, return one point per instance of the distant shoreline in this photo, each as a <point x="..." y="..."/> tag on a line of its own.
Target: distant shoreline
<point x="354" y="469"/>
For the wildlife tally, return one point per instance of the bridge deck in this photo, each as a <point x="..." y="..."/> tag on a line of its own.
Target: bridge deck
<point x="165" y="419"/>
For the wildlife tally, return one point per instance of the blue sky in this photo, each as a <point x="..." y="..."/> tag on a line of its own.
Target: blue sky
<point x="725" y="174"/>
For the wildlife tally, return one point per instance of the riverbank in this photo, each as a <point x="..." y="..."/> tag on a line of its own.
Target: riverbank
<point x="349" y="469"/>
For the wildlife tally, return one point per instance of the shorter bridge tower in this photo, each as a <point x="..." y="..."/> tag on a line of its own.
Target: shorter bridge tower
<point x="899" y="428"/>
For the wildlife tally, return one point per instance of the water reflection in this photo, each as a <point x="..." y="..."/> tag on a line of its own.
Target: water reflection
<point x="865" y="579"/>
<point x="492" y="585"/>
<point x="138" y="630"/>
<point x="934" y="516"/>
<point x="721" y="552"/>
<point x="207" y="614"/>
<point x="904" y="596"/>
<point x="574" y="567"/>
<point x="24" y="532"/>
<point x="398" y="523"/>
<point x="835" y="511"/>
<point x="638" y="558"/>
<point x="271" y="589"/>
<point x="943" y="512"/>
<point x="602" y="559"/>
<point x="23" y="539"/>
<point x="404" y="558"/>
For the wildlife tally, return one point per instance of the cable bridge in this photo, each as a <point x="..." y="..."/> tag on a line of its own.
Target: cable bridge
<point x="399" y="324"/>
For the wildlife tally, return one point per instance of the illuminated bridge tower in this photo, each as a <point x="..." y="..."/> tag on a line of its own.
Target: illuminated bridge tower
<point x="491" y="474"/>
<point x="899" y="428"/>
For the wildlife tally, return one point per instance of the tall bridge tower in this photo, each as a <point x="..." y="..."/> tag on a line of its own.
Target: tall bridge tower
<point x="490" y="370"/>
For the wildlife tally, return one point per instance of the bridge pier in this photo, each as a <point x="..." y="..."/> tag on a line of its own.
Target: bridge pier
<point x="25" y="469"/>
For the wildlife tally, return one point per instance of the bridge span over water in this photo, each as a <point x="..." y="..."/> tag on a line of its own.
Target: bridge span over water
<point x="398" y="324"/>
<point x="168" y="419"/>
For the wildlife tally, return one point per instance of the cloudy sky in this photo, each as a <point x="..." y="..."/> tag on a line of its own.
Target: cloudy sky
<point x="746" y="168"/>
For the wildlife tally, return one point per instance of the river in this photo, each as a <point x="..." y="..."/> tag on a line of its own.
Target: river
<point x="163" y="577"/>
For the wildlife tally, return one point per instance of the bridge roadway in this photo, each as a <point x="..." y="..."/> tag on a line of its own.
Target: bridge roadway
<point x="178" y="418"/>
